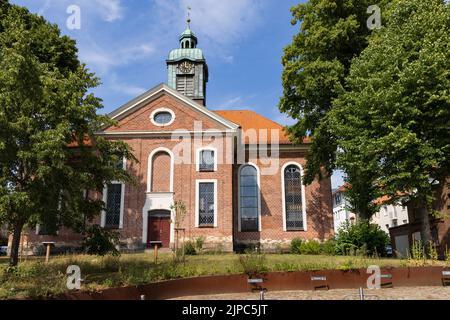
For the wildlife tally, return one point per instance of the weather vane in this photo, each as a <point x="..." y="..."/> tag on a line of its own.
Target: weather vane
<point x="189" y="17"/>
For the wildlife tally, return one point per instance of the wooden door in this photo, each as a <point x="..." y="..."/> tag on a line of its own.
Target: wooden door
<point x="159" y="228"/>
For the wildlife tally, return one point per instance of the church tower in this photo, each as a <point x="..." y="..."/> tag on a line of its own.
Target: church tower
<point x="187" y="68"/>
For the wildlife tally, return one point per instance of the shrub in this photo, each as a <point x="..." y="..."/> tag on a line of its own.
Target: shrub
<point x="310" y="247"/>
<point x="295" y="245"/>
<point x="253" y="264"/>
<point x="199" y="243"/>
<point x="99" y="241"/>
<point x="189" y="248"/>
<point x="361" y="237"/>
<point x="329" y="247"/>
<point x="433" y="252"/>
<point x="347" y="265"/>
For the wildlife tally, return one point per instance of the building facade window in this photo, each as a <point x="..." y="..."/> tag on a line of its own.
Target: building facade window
<point x="293" y="198"/>
<point x="249" y="199"/>
<point x="207" y="161"/>
<point x="206" y="203"/>
<point x="113" y="206"/>
<point x="114" y="198"/>
<point x="162" y="117"/>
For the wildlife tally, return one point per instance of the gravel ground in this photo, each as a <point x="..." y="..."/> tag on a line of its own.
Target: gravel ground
<point x="404" y="293"/>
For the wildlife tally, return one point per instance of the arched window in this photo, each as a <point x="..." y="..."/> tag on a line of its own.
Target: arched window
<point x="293" y="203"/>
<point x="161" y="171"/>
<point x="249" y="198"/>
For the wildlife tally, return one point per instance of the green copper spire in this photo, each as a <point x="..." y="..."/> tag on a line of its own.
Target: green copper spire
<point x="188" y="40"/>
<point x="187" y="68"/>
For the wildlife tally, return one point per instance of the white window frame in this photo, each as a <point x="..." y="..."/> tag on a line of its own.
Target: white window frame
<point x="199" y="151"/>
<point x="258" y="180"/>
<point x="197" y="204"/>
<point x="283" y="196"/>
<point x="156" y="111"/>
<point x="122" y="200"/>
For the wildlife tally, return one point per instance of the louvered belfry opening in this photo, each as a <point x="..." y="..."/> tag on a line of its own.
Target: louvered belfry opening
<point x="293" y="198"/>
<point x="185" y="85"/>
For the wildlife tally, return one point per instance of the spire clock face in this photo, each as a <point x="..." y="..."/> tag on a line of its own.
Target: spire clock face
<point x="186" y="67"/>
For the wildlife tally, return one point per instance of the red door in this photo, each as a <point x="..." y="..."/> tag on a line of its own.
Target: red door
<point x="159" y="229"/>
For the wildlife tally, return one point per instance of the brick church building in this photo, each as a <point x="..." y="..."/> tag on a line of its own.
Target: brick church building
<point x="235" y="171"/>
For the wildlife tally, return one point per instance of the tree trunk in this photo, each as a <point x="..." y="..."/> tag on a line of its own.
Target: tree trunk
<point x="425" y="229"/>
<point x="15" y="245"/>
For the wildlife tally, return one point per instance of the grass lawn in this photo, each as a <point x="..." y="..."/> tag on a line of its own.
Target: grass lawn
<point x="34" y="278"/>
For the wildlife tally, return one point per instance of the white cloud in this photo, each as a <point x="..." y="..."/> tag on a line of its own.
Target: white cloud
<point x="118" y="84"/>
<point x="223" y="21"/>
<point x="111" y="10"/>
<point x="129" y="90"/>
<point x="108" y="10"/>
<point x="219" y="25"/>
<point x="232" y="103"/>
<point x="101" y="60"/>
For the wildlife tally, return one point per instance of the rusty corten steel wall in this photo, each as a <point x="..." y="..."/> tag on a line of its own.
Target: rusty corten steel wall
<point x="274" y="281"/>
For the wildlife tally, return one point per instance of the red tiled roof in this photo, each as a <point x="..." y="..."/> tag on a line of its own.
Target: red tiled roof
<point x="248" y="120"/>
<point x="379" y="201"/>
<point x="343" y="188"/>
<point x="383" y="199"/>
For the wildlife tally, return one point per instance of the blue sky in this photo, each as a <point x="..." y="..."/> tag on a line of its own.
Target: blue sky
<point x="126" y="42"/>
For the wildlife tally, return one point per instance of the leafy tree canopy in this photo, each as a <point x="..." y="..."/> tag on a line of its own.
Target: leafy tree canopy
<point x="46" y="107"/>
<point x="396" y="111"/>
<point x="332" y="33"/>
<point x="394" y="116"/>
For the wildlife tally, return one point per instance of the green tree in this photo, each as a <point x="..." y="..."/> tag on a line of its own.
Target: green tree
<point x="361" y="237"/>
<point x="316" y="63"/>
<point x="45" y="106"/>
<point x="395" y="113"/>
<point x="362" y="191"/>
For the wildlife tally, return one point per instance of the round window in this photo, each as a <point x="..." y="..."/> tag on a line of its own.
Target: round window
<point x="163" y="117"/>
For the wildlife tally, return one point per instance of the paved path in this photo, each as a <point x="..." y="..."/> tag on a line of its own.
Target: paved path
<point x="403" y="293"/>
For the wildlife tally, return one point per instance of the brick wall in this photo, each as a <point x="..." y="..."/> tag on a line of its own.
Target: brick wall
<point x="319" y="216"/>
<point x="160" y="167"/>
<point x="318" y="195"/>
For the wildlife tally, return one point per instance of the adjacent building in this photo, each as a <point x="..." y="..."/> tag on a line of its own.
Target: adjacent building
<point x="402" y="237"/>
<point x="389" y="215"/>
<point x="341" y="212"/>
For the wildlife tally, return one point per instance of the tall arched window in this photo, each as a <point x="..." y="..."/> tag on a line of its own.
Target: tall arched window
<point x="161" y="171"/>
<point x="249" y="198"/>
<point x="293" y="198"/>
